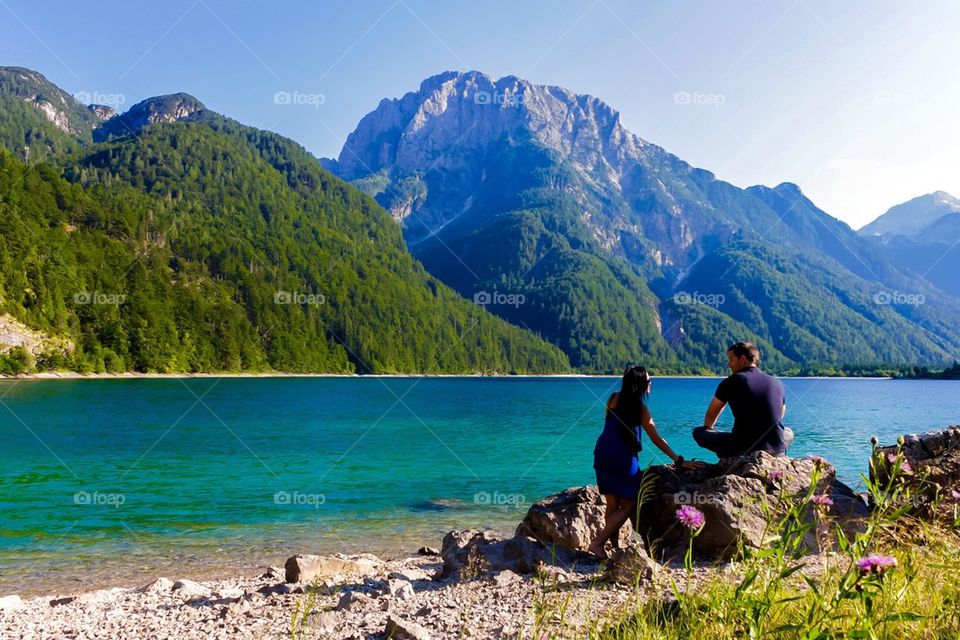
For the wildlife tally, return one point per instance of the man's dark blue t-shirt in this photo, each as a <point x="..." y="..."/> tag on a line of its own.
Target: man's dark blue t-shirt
<point x="756" y="400"/>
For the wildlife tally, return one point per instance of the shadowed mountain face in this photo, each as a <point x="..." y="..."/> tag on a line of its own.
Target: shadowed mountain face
<point x="534" y="190"/>
<point x="922" y="235"/>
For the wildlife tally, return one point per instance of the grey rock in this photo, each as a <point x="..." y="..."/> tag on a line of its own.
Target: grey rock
<point x="934" y="461"/>
<point x="189" y="590"/>
<point x="733" y="495"/>
<point x="160" y="585"/>
<point x="310" y="568"/>
<point x="10" y="603"/>
<point x="632" y="566"/>
<point x="399" y="629"/>
<point x="351" y="600"/>
<point x="471" y="554"/>
<point x="570" y="519"/>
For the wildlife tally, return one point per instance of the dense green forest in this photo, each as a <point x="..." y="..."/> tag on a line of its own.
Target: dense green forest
<point x="185" y="250"/>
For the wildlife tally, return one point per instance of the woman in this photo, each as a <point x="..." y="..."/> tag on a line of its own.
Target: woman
<point x="615" y="456"/>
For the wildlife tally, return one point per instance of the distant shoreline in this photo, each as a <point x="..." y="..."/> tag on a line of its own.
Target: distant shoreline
<point x="70" y="375"/>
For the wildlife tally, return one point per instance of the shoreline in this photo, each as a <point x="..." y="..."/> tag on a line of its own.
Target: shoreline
<point x="72" y="375"/>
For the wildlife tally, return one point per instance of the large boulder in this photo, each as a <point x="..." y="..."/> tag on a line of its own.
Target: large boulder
<point x="570" y="519"/>
<point x="312" y="568"/>
<point x="932" y="472"/>
<point x="471" y="554"/>
<point x="737" y="497"/>
<point x="630" y="565"/>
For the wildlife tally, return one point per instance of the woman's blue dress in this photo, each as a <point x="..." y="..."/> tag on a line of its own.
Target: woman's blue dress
<point x="618" y="469"/>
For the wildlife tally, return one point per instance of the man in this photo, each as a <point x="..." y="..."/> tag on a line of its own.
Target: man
<point x="758" y="405"/>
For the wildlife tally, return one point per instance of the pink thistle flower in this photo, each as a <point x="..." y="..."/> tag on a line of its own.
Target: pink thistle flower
<point x="816" y="459"/>
<point x="905" y="467"/>
<point x="822" y="500"/>
<point x="891" y="458"/>
<point x="776" y="475"/>
<point x="955" y="494"/>
<point x="690" y="517"/>
<point x="876" y="564"/>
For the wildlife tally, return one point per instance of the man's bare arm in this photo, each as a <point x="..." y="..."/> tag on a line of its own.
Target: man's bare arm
<point x="713" y="412"/>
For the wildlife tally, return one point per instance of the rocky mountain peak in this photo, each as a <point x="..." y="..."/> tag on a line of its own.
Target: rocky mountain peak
<point x="168" y="108"/>
<point x="464" y="111"/>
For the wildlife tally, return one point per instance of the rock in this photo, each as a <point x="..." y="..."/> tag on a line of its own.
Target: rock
<point x="411" y="574"/>
<point x="933" y="471"/>
<point x="160" y="585"/>
<point x="282" y="589"/>
<point x="273" y="573"/>
<point x="399" y="629"/>
<point x="325" y="623"/>
<point x="351" y="600"/>
<point x="188" y="589"/>
<point x="311" y="568"/>
<point x="470" y="554"/>
<point x="733" y="495"/>
<point x="10" y="603"/>
<point x="57" y="602"/>
<point x="570" y="519"/>
<point x="632" y="566"/>
<point x="428" y="551"/>
<point x="506" y="578"/>
<point x="400" y="589"/>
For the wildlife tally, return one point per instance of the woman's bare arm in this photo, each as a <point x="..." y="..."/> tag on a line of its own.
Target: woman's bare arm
<point x="651" y="429"/>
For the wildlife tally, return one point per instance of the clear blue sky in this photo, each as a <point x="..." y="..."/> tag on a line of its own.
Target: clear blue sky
<point x="855" y="101"/>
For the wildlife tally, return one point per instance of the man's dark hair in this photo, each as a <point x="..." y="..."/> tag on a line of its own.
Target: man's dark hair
<point x="747" y="350"/>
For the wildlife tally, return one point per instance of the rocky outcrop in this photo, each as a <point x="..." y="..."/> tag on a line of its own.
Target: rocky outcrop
<point x="931" y="475"/>
<point x="570" y="519"/>
<point x="735" y="495"/>
<point x="170" y="108"/>
<point x="312" y="568"/>
<point x="471" y="554"/>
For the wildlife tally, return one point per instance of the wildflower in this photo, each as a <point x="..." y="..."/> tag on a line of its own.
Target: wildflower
<point x="955" y="494"/>
<point x="690" y="517"/>
<point x="818" y="460"/>
<point x="905" y="467"/>
<point x="822" y="500"/>
<point x="891" y="458"/>
<point x="776" y="475"/>
<point x="874" y="563"/>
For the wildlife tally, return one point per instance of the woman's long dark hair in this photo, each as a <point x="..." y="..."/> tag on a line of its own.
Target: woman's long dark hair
<point x="633" y="394"/>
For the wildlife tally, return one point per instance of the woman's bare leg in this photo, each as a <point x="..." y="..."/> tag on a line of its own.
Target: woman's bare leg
<point x="617" y="513"/>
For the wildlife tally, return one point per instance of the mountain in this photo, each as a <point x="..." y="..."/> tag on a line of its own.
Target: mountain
<point x="37" y="118"/>
<point x="923" y="236"/>
<point x="185" y="241"/>
<point x="913" y="216"/>
<point x="537" y="191"/>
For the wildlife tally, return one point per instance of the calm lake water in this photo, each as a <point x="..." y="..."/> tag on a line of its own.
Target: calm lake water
<point x="115" y="481"/>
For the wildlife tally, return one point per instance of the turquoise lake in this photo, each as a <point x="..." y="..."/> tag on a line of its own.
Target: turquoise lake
<point x="115" y="481"/>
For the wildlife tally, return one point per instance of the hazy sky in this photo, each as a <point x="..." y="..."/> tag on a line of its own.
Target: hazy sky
<point x="857" y="102"/>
